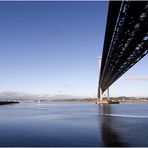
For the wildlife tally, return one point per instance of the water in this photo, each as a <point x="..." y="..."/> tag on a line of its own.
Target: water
<point x="74" y="124"/>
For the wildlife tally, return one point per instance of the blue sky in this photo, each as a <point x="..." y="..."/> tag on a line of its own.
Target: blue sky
<point x="134" y="82"/>
<point x="52" y="48"/>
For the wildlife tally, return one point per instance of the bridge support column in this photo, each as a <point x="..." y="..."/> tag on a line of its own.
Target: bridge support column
<point x="100" y="94"/>
<point x="100" y="100"/>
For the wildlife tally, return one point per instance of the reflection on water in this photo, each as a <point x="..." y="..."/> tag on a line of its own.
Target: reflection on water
<point x="109" y="136"/>
<point x="73" y="125"/>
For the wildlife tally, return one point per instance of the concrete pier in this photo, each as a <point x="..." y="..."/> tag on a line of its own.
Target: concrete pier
<point x="107" y="102"/>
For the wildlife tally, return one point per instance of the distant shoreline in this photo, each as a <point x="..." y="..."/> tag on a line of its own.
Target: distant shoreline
<point x="94" y="100"/>
<point x="115" y="99"/>
<point x="119" y="99"/>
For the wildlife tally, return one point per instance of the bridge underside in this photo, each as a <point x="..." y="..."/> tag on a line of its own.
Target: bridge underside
<point x="126" y="39"/>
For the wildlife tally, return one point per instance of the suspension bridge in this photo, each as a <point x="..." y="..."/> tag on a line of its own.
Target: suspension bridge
<point x="125" y="42"/>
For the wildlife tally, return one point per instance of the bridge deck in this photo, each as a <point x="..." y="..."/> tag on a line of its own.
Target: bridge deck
<point x="126" y="39"/>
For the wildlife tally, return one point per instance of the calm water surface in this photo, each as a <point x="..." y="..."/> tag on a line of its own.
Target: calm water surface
<point x="74" y="124"/>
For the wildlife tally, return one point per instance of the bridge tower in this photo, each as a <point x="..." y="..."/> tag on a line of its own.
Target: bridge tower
<point x="99" y="95"/>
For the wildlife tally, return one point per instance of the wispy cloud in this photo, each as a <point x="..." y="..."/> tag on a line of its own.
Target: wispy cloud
<point x="137" y="78"/>
<point x="66" y="86"/>
<point x="24" y="96"/>
<point x="60" y="91"/>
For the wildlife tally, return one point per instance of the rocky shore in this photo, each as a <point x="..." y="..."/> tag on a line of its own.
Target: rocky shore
<point x="3" y="102"/>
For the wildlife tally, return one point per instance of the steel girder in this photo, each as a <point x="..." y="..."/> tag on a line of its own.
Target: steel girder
<point x="126" y="39"/>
